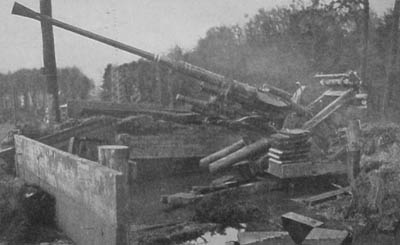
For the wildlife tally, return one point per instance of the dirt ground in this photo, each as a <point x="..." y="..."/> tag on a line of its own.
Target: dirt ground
<point x="260" y="209"/>
<point x="256" y="208"/>
<point x="20" y="221"/>
<point x="252" y="209"/>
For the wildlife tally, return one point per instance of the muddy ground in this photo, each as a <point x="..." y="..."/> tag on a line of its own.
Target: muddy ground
<point x="259" y="209"/>
<point x="252" y="209"/>
<point x="256" y="208"/>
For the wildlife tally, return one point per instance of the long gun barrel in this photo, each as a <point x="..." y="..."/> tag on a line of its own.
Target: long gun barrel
<point x="250" y="97"/>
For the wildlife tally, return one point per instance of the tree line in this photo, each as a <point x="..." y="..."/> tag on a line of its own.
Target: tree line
<point x="288" y="44"/>
<point x="25" y="90"/>
<point x="279" y="46"/>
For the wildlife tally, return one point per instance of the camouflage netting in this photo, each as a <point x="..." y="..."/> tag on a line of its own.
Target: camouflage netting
<point x="377" y="195"/>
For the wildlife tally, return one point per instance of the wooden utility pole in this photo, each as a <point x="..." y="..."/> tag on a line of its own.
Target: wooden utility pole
<point x="392" y="73"/>
<point x="353" y="134"/>
<point x="49" y="60"/>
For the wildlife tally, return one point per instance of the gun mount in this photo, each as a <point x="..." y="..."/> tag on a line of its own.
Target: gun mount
<point x="250" y="98"/>
<point x="257" y="106"/>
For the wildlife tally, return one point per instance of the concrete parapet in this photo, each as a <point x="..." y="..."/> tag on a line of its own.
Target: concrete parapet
<point x="89" y="200"/>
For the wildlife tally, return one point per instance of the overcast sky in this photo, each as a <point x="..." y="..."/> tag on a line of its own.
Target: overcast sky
<point x="153" y="25"/>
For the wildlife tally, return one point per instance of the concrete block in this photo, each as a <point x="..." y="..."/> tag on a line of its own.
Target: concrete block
<point x="298" y="226"/>
<point x="320" y="236"/>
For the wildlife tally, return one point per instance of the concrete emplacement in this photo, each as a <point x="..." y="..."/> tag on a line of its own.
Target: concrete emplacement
<point x="90" y="197"/>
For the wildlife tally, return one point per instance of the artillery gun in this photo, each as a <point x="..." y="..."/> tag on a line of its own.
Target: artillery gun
<point x="269" y="102"/>
<point x="263" y="105"/>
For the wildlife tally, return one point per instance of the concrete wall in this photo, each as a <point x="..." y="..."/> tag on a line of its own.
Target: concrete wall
<point x="89" y="205"/>
<point x="174" y="153"/>
<point x="183" y="143"/>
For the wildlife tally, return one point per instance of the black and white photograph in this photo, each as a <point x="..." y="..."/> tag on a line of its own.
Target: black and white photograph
<point x="199" y="122"/>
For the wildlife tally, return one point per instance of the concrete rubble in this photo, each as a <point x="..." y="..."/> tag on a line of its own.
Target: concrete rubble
<point x="298" y="226"/>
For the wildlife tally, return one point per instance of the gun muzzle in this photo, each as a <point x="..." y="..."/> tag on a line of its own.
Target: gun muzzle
<point x="19" y="9"/>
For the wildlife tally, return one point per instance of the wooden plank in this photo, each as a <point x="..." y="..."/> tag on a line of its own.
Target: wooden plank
<point x="284" y="171"/>
<point x="66" y="134"/>
<point x="264" y="238"/>
<point x="335" y="93"/>
<point x="214" y="188"/>
<point x="327" y="111"/>
<point x="302" y="219"/>
<point x="317" y="100"/>
<point x="77" y="108"/>
<point x="290" y="157"/>
<point x="292" y="161"/>
<point x="324" y="196"/>
<point x="136" y="228"/>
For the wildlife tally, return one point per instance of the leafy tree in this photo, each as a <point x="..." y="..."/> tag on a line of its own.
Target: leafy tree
<point x="29" y="84"/>
<point x="392" y="75"/>
<point x="281" y="46"/>
<point x="106" y="84"/>
<point x="73" y="84"/>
